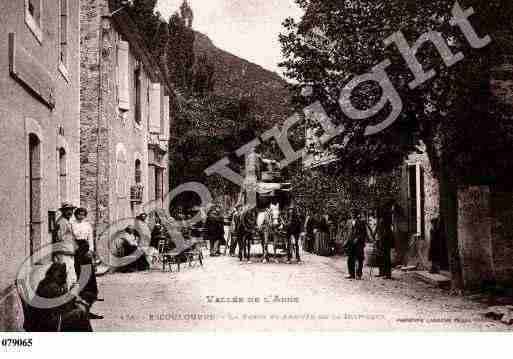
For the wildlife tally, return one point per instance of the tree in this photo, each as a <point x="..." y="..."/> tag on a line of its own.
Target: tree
<point x="180" y="49"/>
<point x="142" y="12"/>
<point x="152" y="28"/>
<point x="204" y="80"/>
<point x="210" y="128"/>
<point x="322" y="190"/>
<point x="338" y="40"/>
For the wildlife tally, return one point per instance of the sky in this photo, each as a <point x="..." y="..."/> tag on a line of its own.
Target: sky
<point x="246" y="28"/>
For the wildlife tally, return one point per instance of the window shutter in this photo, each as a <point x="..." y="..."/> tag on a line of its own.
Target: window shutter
<point x="123" y="83"/>
<point x="151" y="182"/>
<point x="144" y="99"/>
<point x="403" y="210"/>
<point x="155" y="108"/>
<point x="64" y="21"/>
<point x="165" y="118"/>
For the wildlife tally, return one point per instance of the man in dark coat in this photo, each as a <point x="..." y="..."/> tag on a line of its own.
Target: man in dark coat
<point x="214" y="228"/>
<point x="385" y="242"/>
<point x="293" y="232"/>
<point x="355" y="248"/>
<point x="436" y="245"/>
<point x="235" y="228"/>
<point x="310" y="227"/>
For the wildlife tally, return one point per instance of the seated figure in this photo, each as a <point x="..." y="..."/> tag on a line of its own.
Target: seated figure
<point x="126" y="248"/>
<point x="71" y="316"/>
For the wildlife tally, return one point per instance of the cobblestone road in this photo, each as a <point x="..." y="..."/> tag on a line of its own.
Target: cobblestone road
<point x="313" y="295"/>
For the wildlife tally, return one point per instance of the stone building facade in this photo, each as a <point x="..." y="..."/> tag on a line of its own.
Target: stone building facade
<point x="124" y="120"/>
<point x="484" y="226"/>
<point x="39" y="123"/>
<point x="418" y="205"/>
<point x="485" y="210"/>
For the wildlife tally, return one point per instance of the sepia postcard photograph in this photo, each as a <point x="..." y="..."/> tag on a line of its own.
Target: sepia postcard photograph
<point x="255" y="166"/>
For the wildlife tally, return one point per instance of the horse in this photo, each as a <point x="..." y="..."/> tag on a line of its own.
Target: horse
<point x="244" y="224"/>
<point x="293" y="230"/>
<point x="269" y="224"/>
<point x="265" y="224"/>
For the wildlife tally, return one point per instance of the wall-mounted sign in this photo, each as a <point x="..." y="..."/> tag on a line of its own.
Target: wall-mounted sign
<point x="30" y="74"/>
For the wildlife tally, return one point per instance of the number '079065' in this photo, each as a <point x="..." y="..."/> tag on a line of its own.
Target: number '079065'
<point x="17" y="342"/>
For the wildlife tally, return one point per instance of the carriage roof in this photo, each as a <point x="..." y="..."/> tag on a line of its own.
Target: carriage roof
<point x="266" y="189"/>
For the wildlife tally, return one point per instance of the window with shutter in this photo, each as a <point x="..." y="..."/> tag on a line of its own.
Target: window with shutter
<point x="35" y="192"/>
<point x="137" y="95"/>
<point x="138" y="171"/>
<point x="62" y="176"/>
<point x="123" y="78"/>
<point x="121" y="171"/>
<point x="155" y="110"/>
<point x="64" y="33"/>
<point x="164" y="125"/>
<point x="402" y="212"/>
<point x="144" y="98"/>
<point x="159" y="184"/>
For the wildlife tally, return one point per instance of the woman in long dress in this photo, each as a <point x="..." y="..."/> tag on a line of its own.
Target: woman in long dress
<point x="384" y="243"/>
<point x="82" y="229"/>
<point x="84" y="257"/>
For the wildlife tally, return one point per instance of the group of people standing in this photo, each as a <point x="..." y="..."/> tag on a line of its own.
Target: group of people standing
<point x="73" y="252"/>
<point x="317" y="232"/>
<point x="360" y="233"/>
<point x="319" y="239"/>
<point x="215" y="230"/>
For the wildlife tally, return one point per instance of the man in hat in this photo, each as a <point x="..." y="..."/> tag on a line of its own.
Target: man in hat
<point x="227" y="229"/>
<point x="355" y="247"/>
<point x="293" y="233"/>
<point x="235" y="227"/>
<point x="214" y="231"/>
<point x="64" y="237"/>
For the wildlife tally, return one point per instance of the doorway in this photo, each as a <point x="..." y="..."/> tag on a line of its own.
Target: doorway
<point x="34" y="193"/>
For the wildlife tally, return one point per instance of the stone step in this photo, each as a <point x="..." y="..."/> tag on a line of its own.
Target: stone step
<point x="438" y="280"/>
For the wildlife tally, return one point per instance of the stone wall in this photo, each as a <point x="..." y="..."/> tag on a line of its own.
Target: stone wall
<point x="502" y="234"/>
<point x="94" y="129"/>
<point x="485" y="235"/>
<point x="111" y="139"/>
<point x="24" y="113"/>
<point x="475" y="236"/>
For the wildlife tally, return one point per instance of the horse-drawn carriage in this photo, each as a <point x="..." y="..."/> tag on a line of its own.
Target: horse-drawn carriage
<point x="263" y="219"/>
